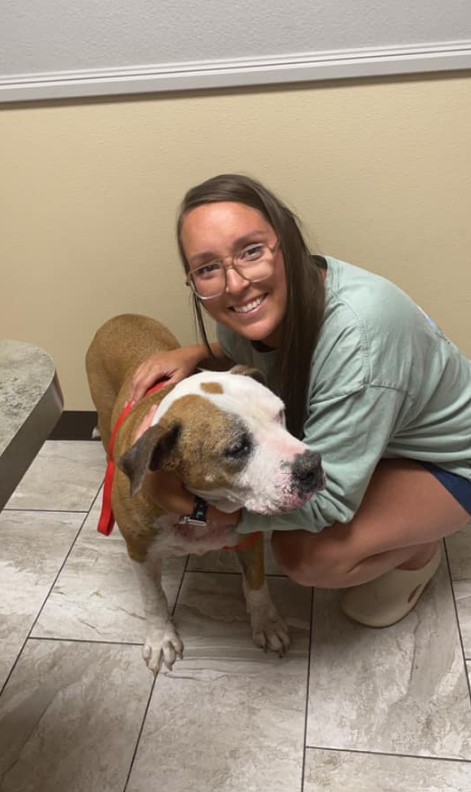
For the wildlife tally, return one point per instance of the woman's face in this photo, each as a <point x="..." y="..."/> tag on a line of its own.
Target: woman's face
<point x="253" y="310"/>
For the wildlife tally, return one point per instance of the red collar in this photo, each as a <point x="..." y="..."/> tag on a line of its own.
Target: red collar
<point x="106" y="520"/>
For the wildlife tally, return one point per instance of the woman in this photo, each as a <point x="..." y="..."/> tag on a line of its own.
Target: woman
<point x="367" y="379"/>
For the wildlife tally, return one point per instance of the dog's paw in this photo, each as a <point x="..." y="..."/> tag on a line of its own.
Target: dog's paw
<point x="162" y="647"/>
<point x="270" y="631"/>
<point x="268" y="628"/>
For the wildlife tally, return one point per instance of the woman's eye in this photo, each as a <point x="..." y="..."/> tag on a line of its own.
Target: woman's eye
<point x="207" y="269"/>
<point x="252" y="253"/>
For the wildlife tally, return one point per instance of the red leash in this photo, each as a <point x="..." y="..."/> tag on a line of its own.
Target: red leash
<point x="106" y="520"/>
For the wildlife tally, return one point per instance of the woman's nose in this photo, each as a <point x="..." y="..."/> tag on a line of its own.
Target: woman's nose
<point x="235" y="282"/>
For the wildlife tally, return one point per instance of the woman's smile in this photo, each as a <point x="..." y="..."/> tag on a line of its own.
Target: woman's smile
<point x="250" y="307"/>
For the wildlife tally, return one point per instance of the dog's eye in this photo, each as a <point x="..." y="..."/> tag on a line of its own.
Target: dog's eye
<point x="240" y="449"/>
<point x="281" y="418"/>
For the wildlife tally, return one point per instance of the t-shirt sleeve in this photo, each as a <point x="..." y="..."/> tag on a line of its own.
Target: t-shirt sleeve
<point x="351" y="433"/>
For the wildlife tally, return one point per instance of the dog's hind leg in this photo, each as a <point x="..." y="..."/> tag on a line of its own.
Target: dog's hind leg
<point x="268" y="628"/>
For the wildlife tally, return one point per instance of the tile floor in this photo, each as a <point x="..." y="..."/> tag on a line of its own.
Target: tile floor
<point x="348" y="709"/>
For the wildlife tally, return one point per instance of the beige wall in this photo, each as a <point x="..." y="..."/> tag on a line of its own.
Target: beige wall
<point x="378" y="170"/>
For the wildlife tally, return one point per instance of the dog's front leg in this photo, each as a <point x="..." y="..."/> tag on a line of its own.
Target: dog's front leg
<point x="268" y="628"/>
<point x="162" y="642"/>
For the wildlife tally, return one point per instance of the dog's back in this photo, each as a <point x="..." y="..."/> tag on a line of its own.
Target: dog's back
<point x="118" y="348"/>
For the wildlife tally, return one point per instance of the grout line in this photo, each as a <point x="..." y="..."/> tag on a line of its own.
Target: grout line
<point x="185" y="569"/>
<point x="362" y="752"/>
<point x="308" y="681"/>
<point x="141" y="729"/>
<point x="458" y="625"/>
<point x="101" y="642"/>
<point x="231" y="572"/>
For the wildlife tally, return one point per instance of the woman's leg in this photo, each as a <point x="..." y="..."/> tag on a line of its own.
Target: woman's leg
<point x="404" y="513"/>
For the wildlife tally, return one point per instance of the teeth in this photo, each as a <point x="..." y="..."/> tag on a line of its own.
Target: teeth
<point x="248" y="306"/>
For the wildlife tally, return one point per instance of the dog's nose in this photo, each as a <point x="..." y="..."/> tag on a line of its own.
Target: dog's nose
<point x="307" y="472"/>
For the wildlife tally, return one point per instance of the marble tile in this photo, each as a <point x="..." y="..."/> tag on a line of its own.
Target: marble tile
<point x="34" y="546"/>
<point x="226" y="561"/>
<point x="96" y="596"/>
<point x="229" y="717"/>
<point x="459" y="556"/>
<point x="398" y="690"/>
<point x="70" y="717"/>
<point x="337" y="771"/>
<point x="65" y="476"/>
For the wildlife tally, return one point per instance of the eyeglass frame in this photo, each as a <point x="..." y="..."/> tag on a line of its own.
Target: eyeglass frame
<point x="232" y="257"/>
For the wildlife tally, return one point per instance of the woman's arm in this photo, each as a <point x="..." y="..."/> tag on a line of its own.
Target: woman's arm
<point x="351" y="433"/>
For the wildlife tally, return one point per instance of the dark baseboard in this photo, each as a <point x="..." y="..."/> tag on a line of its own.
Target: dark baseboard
<point x="75" y="425"/>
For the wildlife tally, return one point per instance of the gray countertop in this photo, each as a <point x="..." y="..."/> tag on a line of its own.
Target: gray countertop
<point x="30" y="406"/>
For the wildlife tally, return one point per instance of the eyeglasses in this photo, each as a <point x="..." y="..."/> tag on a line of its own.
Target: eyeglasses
<point x="254" y="263"/>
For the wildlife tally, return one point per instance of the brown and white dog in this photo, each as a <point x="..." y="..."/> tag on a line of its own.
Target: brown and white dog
<point x="223" y="434"/>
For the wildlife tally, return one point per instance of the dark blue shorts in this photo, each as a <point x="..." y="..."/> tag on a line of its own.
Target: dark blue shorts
<point x="457" y="486"/>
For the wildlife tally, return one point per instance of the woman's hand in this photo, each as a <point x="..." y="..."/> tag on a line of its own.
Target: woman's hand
<point x="167" y="491"/>
<point x="174" y="366"/>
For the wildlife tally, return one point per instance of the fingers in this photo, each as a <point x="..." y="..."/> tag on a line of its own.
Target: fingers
<point x="174" y="366"/>
<point x="143" y="379"/>
<point x="148" y="373"/>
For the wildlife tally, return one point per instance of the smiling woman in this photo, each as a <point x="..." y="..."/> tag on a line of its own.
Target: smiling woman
<point x="368" y="382"/>
<point x="254" y="305"/>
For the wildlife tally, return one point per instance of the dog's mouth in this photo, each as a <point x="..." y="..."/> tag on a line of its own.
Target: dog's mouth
<point x="290" y="498"/>
<point x="294" y="497"/>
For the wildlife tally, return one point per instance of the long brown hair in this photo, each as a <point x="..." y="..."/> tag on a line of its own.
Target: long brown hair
<point x="305" y="283"/>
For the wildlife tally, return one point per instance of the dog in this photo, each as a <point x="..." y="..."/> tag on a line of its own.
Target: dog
<point x="224" y="435"/>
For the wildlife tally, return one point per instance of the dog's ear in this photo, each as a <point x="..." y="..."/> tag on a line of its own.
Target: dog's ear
<point x="248" y="371"/>
<point x="150" y="452"/>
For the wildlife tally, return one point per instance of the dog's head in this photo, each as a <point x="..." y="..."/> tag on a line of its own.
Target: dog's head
<point x="224" y="435"/>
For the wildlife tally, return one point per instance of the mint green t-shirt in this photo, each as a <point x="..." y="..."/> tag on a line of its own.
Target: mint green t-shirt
<point x="385" y="382"/>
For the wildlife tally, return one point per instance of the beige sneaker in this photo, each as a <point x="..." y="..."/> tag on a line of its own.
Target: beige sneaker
<point x="386" y="600"/>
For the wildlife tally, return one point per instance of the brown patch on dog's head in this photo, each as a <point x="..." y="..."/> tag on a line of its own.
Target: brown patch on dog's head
<point x="203" y="445"/>
<point x="212" y="387"/>
<point x="249" y="371"/>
